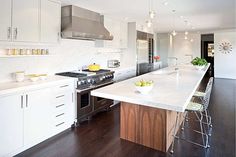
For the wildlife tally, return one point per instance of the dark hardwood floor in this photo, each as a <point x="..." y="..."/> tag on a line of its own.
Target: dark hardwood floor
<point x="100" y="136"/>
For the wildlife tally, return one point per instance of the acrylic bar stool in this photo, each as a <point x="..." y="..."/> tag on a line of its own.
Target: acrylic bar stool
<point x="197" y="108"/>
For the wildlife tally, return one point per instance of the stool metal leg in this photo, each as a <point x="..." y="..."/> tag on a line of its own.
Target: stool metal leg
<point x="175" y="128"/>
<point x="185" y="119"/>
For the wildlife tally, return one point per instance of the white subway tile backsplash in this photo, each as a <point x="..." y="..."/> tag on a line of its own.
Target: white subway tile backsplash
<point x="68" y="56"/>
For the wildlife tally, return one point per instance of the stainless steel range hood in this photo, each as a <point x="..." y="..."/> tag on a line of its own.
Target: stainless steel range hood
<point x="79" y="23"/>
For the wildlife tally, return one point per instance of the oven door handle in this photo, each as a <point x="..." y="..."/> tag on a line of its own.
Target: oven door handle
<point x="94" y="87"/>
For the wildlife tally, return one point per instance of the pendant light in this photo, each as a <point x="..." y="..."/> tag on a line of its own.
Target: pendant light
<point x="149" y="23"/>
<point x="152" y="13"/>
<point x="174" y="33"/>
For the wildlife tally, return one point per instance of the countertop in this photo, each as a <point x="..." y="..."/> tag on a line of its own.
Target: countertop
<point x="172" y="89"/>
<point x="11" y="87"/>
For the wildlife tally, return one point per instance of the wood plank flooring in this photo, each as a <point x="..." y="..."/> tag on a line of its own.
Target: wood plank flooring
<point x="100" y="136"/>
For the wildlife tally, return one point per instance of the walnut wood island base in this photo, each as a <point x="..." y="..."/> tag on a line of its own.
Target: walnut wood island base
<point x="148" y="126"/>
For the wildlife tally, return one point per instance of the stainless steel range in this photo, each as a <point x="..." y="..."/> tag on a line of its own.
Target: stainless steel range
<point x="88" y="105"/>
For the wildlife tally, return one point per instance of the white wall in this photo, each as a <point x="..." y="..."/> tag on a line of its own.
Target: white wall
<point x="182" y="47"/>
<point x="225" y="64"/>
<point x="169" y="46"/>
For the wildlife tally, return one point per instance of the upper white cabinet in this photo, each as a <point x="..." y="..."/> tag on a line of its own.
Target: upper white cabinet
<point x="11" y="122"/>
<point x="5" y="20"/>
<point x="25" y="20"/>
<point x="50" y="21"/>
<point x="119" y="30"/>
<point x="30" y="21"/>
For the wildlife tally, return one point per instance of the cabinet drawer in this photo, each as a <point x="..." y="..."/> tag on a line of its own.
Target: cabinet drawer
<point x="63" y="88"/>
<point x="60" y="109"/>
<point x="60" y="118"/>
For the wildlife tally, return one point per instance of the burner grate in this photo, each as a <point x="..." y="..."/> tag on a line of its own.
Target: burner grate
<point x="71" y="74"/>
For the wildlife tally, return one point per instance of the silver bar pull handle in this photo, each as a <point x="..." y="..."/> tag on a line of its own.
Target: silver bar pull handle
<point x="26" y="100"/>
<point x="60" y="105"/>
<point x="58" y="37"/>
<point x="22" y="101"/>
<point x="60" y="124"/>
<point x="72" y="97"/>
<point x="60" y="115"/>
<point x="15" y="33"/>
<point x="64" y="86"/>
<point x="60" y="96"/>
<point x="9" y="33"/>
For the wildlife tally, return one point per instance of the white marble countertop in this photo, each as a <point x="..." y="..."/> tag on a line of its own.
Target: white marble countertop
<point x="172" y="90"/>
<point x="11" y="87"/>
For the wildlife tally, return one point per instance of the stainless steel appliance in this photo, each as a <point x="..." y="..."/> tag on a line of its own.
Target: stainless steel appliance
<point x="113" y="63"/>
<point x="145" y="52"/>
<point x="79" y="23"/>
<point x="87" y="105"/>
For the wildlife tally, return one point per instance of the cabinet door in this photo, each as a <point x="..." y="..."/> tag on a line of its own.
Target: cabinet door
<point x="5" y="22"/>
<point x="124" y="35"/>
<point x="11" y="122"/>
<point x="50" y="21"/>
<point x="38" y="116"/>
<point x="25" y="20"/>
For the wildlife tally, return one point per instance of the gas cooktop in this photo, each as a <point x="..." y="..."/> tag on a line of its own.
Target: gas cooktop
<point x="83" y="73"/>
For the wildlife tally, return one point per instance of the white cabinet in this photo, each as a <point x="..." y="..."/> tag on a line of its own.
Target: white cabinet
<point x="64" y="107"/>
<point x="50" y="21"/>
<point x="25" y="20"/>
<point x="38" y="117"/>
<point x="32" y="116"/>
<point x="30" y="21"/>
<point x="5" y="22"/>
<point x="119" y="30"/>
<point x="11" y="122"/>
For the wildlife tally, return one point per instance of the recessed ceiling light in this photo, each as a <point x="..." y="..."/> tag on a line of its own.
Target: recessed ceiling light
<point x="185" y="37"/>
<point x="165" y="3"/>
<point x="192" y="40"/>
<point x="186" y="33"/>
<point x="181" y="17"/>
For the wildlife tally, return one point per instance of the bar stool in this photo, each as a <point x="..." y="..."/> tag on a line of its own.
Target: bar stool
<point x="200" y="95"/>
<point x="197" y="108"/>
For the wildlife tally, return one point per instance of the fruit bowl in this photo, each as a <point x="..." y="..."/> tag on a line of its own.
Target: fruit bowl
<point x="144" y="87"/>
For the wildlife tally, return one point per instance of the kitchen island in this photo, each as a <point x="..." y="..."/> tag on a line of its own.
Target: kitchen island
<point x="149" y="119"/>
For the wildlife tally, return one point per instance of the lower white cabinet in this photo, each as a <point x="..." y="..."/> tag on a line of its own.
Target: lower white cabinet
<point x="33" y="116"/>
<point x="11" y="122"/>
<point x="38" y="117"/>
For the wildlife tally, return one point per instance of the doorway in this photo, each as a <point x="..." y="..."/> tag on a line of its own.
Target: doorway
<point x="207" y="51"/>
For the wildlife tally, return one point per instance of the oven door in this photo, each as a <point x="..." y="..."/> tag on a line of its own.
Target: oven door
<point x="100" y="103"/>
<point x="84" y="103"/>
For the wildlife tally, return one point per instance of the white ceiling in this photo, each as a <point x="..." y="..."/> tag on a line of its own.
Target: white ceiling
<point x="202" y="15"/>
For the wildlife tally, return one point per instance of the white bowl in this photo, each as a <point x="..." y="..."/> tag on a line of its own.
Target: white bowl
<point x="43" y="77"/>
<point x="34" y="79"/>
<point x="144" y="90"/>
<point x="199" y="67"/>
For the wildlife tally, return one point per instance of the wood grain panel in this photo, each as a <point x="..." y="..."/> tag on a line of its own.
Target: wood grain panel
<point x="151" y="127"/>
<point x="129" y="122"/>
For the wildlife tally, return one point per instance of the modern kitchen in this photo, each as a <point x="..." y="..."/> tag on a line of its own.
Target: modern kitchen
<point x="103" y="78"/>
